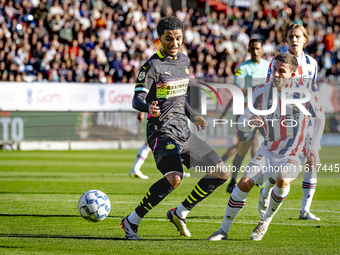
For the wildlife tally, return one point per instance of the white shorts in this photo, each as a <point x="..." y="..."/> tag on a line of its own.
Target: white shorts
<point x="266" y="164"/>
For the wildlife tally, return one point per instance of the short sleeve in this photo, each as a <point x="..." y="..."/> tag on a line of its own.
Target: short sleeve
<point x="239" y="78"/>
<point x="146" y="78"/>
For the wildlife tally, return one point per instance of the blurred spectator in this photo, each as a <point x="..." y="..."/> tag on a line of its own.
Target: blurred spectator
<point x="107" y="41"/>
<point x="40" y="78"/>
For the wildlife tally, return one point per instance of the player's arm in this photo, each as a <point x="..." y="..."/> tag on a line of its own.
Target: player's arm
<point x="318" y="128"/>
<point x="144" y="82"/>
<point x="240" y="79"/>
<point x="198" y="120"/>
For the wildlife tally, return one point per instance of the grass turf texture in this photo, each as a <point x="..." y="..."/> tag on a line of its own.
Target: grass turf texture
<point x="39" y="192"/>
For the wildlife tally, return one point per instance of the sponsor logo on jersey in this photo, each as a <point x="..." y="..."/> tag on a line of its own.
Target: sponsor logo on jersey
<point x="187" y="70"/>
<point x="259" y="157"/>
<point x="238" y="72"/>
<point x="141" y="76"/>
<point x="170" y="146"/>
<point x="174" y="88"/>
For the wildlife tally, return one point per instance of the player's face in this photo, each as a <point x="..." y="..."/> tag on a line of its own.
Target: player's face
<point x="256" y="51"/>
<point x="171" y="42"/>
<point x="281" y="74"/>
<point x="296" y="40"/>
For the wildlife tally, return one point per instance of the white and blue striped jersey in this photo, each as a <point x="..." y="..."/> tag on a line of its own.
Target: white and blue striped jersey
<point x="284" y="134"/>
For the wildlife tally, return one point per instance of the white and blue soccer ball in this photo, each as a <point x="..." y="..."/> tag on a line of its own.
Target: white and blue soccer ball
<point x="94" y="205"/>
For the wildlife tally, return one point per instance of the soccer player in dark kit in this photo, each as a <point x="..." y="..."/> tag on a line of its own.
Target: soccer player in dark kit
<point x="160" y="90"/>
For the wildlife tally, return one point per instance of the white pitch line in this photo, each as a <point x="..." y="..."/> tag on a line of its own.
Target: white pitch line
<point x="245" y="223"/>
<point x="219" y="206"/>
<point x="223" y="206"/>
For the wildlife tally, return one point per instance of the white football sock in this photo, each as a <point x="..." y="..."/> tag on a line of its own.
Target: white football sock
<point x="308" y="190"/>
<point x="236" y="203"/>
<point x="142" y="155"/>
<point x="278" y="195"/>
<point x="134" y="218"/>
<point x="182" y="212"/>
<point x="267" y="188"/>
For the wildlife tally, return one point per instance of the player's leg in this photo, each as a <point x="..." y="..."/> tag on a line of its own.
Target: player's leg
<point x="230" y="152"/>
<point x="245" y="142"/>
<point x="251" y="176"/>
<point x="308" y="190"/>
<point x="288" y="171"/>
<point x="141" y="156"/>
<point x="168" y="161"/>
<point x="264" y="195"/>
<point x="255" y="145"/>
<point x="278" y="195"/>
<point x="198" y="153"/>
<point x="235" y="205"/>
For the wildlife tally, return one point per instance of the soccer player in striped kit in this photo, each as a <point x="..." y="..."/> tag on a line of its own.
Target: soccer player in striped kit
<point x="306" y="75"/>
<point x="285" y="141"/>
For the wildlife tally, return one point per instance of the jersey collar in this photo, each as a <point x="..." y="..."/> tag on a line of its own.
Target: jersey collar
<point x="159" y="54"/>
<point x="298" y="59"/>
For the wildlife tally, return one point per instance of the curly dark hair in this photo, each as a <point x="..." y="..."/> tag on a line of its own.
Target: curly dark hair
<point x="169" y="23"/>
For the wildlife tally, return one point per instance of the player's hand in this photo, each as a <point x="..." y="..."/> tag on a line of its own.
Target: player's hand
<point x="313" y="158"/>
<point x="140" y="116"/>
<point x="255" y="121"/>
<point x="154" y="109"/>
<point x="200" y="123"/>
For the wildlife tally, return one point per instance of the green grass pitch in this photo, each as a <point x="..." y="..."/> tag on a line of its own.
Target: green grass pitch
<point x="39" y="192"/>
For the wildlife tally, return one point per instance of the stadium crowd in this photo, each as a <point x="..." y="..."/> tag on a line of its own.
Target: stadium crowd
<point x="107" y="41"/>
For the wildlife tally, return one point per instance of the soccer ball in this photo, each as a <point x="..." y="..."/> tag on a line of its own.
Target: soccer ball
<point x="94" y="205"/>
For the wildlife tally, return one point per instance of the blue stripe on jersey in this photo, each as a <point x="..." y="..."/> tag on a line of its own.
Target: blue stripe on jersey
<point x="297" y="95"/>
<point x="291" y="141"/>
<point x="311" y="110"/>
<point x="288" y="145"/>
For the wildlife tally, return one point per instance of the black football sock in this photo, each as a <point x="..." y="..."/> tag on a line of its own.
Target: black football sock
<point x="157" y="192"/>
<point x="203" y="188"/>
<point x="237" y="163"/>
<point x="225" y="157"/>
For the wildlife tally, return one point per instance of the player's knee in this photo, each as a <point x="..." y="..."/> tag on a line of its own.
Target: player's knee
<point x="282" y="183"/>
<point x="174" y="179"/>
<point x="220" y="171"/>
<point x="245" y="184"/>
<point x="244" y="147"/>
